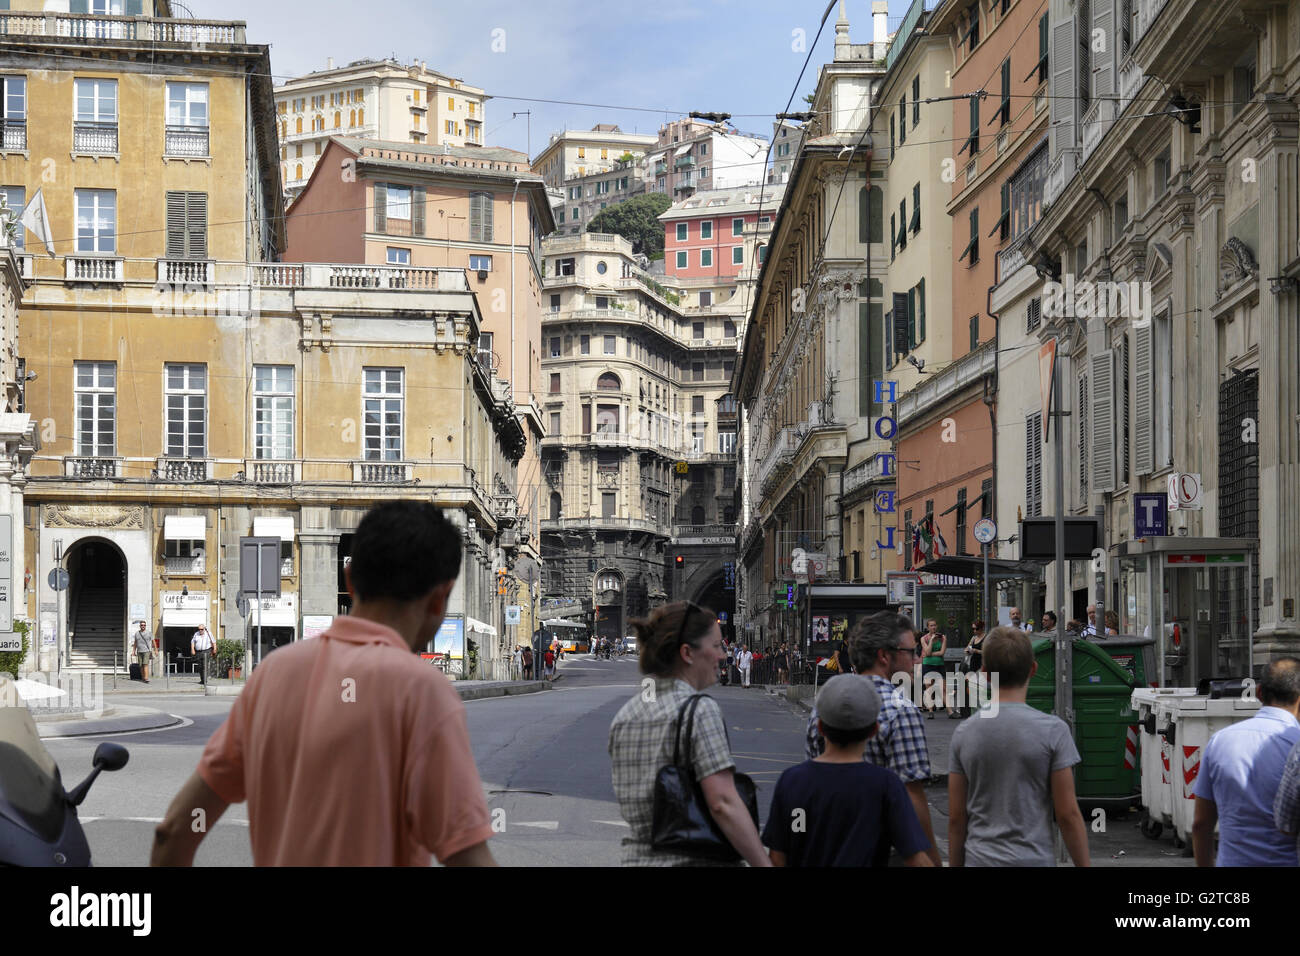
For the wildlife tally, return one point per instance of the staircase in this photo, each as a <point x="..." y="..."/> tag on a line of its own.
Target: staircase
<point x="97" y="629"/>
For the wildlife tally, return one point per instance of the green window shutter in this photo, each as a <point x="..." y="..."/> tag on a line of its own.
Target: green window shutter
<point x="417" y="211"/>
<point x="196" y="225"/>
<point x="381" y="207"/>
<point x="920" y="312"/>
<point x="911" y="319"/>
<point x="864" y="215"/>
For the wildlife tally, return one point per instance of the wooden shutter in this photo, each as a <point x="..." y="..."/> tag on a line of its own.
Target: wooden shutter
<point x="1103" y="421"/>
<point x="1062" y="87"/>
<point x="1034" y="465"/>
<point x="476" y="217"/>
<point x="911" y="319"/>
<point x="196" y="226"/>
<point x="486" y="200"/>
<point x="417" y="210"/>
<point x="920" y="311"/>
<point x="1081" y="429"/>
<point x="176" y="225"/>
<point x="1103" y="19"/>
<point x="1033" y="314"/>
<point x="381" y="207"/>
<point x="1144" y="435"/>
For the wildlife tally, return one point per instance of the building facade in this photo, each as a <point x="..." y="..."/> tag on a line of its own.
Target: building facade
<point x="704" y="236"/>
<point x="372" y="99"/>
<point x="692" y="155"/>
<point x="585" y="196"/>
<point x="574" y="153"/>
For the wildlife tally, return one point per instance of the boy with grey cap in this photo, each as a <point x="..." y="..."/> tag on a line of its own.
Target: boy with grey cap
<point x="837" y="809"/>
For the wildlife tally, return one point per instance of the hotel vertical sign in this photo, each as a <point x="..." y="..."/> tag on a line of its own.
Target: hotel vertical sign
<point x="6" y="572"/>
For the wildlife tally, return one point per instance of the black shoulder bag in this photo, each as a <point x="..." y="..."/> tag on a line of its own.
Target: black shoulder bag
<point x="681" y="822"/>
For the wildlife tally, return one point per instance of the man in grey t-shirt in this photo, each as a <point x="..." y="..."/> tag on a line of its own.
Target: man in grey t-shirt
<point x="1009" y="768"/>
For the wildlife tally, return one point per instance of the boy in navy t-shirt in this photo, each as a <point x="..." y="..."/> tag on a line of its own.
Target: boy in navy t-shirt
<point x="839" y="810"/>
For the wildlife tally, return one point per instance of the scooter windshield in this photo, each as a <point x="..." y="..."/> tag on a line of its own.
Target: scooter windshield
<point x="31" y="789"/>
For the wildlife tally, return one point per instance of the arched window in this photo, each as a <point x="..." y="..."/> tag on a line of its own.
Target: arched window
<point x="871" y="210"/>
<point x="361" y="117"/>
<point x="299" y="124"/>
<point x="608" y="381"/>
<point x="697" y="515"/>
<point x="555" y="506"/>
<point x="298" y="172"/>
<point x="352" y="119"/>
<point x="338" y="119"/>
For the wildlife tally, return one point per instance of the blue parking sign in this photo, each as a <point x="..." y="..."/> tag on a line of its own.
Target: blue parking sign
<point x="1150" y="515"/>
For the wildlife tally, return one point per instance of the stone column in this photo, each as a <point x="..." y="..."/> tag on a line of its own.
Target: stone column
<point x="1279" y="455"/>
<point x="318" y="544"/>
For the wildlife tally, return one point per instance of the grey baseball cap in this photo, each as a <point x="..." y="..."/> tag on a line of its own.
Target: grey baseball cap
<point x="848" y="702"/>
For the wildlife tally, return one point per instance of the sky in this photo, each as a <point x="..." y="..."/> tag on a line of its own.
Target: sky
<point x="642" y="63"/>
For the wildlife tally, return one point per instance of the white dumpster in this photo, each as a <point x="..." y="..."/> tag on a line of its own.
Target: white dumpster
<point x="1152" y="707"/>
<point x="1195" y="720"/>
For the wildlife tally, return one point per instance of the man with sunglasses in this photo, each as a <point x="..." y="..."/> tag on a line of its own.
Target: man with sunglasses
<point x="880" y="646"/>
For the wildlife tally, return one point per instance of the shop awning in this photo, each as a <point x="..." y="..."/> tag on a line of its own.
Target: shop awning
<point x="967" y="566"/>
<point x="183" y="617"/>
<point x="281" y="528"/>
<point x="276" y="612"/>
<point x="185" y="528"/>
<point x="683" y="150"/>
<point x="478" y="627"/>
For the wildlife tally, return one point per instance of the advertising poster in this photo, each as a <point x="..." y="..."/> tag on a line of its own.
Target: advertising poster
<point x="955" y="611"/>
<point x="821" y="628"/>
<point x="314" y="625"/>
<point x="450" y="639"/>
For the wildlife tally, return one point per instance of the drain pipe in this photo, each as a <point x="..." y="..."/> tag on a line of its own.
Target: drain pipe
<point x="513" y="380"/>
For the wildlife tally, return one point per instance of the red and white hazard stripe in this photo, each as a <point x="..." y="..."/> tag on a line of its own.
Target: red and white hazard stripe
<point x="1131" y="749"/>
<point x="1191" y="767"/>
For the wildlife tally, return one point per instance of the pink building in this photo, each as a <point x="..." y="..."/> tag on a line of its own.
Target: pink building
<point x="704" y="236"/>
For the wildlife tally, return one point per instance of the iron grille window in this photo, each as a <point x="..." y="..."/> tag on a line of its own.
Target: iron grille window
<point x="1238" y="460"/>
<point x="986" y="493"/>
<point x="961" y="521"/>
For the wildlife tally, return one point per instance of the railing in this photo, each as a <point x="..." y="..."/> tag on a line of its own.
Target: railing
<point x="1055" y="184"/>
<point x="1097" y="122"/>
<point x="336" y="276"/>
<point x="863" y="472"/>
<point x="91" y="467"/>
<point x="13" y="133"/>
<point x="1012" y="257"/>
<point x="783" y="447"/>
<point x="505" y="506"/>
<point x="1131" y="79"/>
<point x="94" y="137"/>
<point x="183" y="469"/>
<point x="186" y="141"/>
<point x="185" y="565"/>
<point x="1147" y="11"/>
<point x="265" y="471"/>
<point x="286" y="567"/>
<point x="612" y="524"/>
<point x="186" y="271"/>
<point x="937" y="388"/>
<point x="381" y="472"/>
<point x="684" y="162"/>
<point x="704" y="531"/>
<point x="94" y="269"/>
<point x="101" y="27"/>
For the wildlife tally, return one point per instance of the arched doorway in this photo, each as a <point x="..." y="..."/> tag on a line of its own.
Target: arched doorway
<point x="717" y="598"/>
<point x="97" y="606"/>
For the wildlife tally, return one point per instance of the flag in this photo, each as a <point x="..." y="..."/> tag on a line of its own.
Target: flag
<point x="940" y="545"/>
<point x="37" y="219"/>
<point x="927" y="539"/>
<point x="918" y="556"/>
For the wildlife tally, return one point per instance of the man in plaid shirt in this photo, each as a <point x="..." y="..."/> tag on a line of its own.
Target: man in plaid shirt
<point x="879" y="646"/>
<point x="1286" y="805"/>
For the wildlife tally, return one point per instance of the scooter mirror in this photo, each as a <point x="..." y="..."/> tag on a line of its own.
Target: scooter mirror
<point x="110" y="757"/>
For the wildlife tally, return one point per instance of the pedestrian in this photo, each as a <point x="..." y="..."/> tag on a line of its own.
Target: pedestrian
<point x="1286" y="805"/>
<point x="1241" y="774"/>
<point x="1112" y="624"/>
<point x="519" y="660"/>
<point x="972" y="664"/>
<point x="853" y="811"/>
<point x="143" y="651"/>
<point x="349" y="751"/>
<point x="1049" y="621"/>
<point x="548" y="664"/>
<point x="1009" y="769"/>
<point x="1074" y="628"/>
<point x="202" y="645"/>
<point x="933" y="645"/>
<point x="528" y="663"/>
<point x="681" y="648"/>
<point x="746" y="663"/>
<point x="1089" y="631"/>
<point x="1016" y="622"/>
<point x="783" y="664"/>
<point x="880" y="646"/>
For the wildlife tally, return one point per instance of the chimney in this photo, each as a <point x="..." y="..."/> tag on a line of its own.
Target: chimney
<point x="329" y="63"/>
<point x="880" y="28"/>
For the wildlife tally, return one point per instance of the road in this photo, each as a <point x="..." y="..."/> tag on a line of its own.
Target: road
<point x="542" y="757"/>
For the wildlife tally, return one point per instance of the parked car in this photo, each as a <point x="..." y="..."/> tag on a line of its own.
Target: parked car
<point x="629" y="644"/>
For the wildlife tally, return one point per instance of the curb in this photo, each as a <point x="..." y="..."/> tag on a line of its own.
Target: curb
<point x="122" y="721"/>
<point x="502" y="690"/>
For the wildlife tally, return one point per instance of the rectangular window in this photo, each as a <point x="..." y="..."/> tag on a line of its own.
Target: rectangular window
<point x="706" y="258"/>
<point x="273" y="411"/>
<point x="96" y="221"/>
<point x="555" y="423"/>
<point x="972" y="250"/>
<point x="383" y="398"/>
<point x="973" y="141"/>
<point x="1034" y="465"/>
<point x="584" y="344"/>
<point x="1025" y="193"/>
<point x="1034" y="314"/>
<point x="555" y="302"/>
<point x="187" y="225"/>
<point x="15" y="107"/>
<point x="697" y="330"/>
<point x="95" y="127"/>
<point x="974" y="332"/>
<point x="480" y="263"/>
<point x="697" y="404"/>
<point x="608" y="504"/>
<point x="726" y="443"/>
<point x="916" y="99"/>
<point x="682" y="230"/>
<point x="706" y="229"/>
<point x="1121" y="214"/>
<point x="398" y="202"/>
<point x="891" y="136"/>
<point x="738" y="227"/>
<point x="1004" y="104"/>
<point x="602" y="302"/>
<point x="902" y="120"/>
<point x="399" y="257"/>
<point x="1041" y="67"/>
<point x="961" y="521"/>
<point x="555" y="383"/>
<point x="986" y="498"/>
<point x="737" y="255"/>
<point x="15" y="200"/>
<point x="1160" y="174"/>
<point x="96" y="397"/>
<point x="697" y="371"/>
<point x="555" y="347"/>
<point x="915" y="224"/>
<point x="681" y="259"/>
<point x="565" y="267"/>
<point x="480" y="217"/>
<point x="706" y="299"/>
<point x="186" y="395"/>
<point x="611" y="345"/>
<point x="187" y="104"/>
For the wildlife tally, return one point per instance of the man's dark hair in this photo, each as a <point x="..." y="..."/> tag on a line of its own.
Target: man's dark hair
<point x="1046" y="615"/>
<point x="843" y="738"/>
<point x="1281" y="684"/>
<point x="1009" y="653"/>
<point x="402" y="550"/>
<point x="883" y="631"/>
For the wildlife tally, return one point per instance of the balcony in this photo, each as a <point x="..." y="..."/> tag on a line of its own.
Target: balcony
<point x="13" y="133"/>
<point x="1096" y="123"/>
<point x="92" y="467"/>
<point x="96" y="26"/>
<point x="186" y="271"/>
<point x="506" y="509"/>
<point x="780" y="454"/>
<point x="280" y="275"/>
<point x="1131" y="79"/>
<point x="188" y="142"/>
<point x="95" y="138"/>
<point x="94" y="269"/>
<point x="1012" y="258"/>
<point x="186" y="565"/>
<point x="603" y="524"/>
<point x="184" y="470"/>
<point x="1055" y="184"/>
<point x="935" y="389"/>
<point x="684" y="162"/>
<point x="864" y="472"/>
<point x="1147" y="11"/>
<point x="266" y="471"/>
<point x="382" y="473"/>
<point x="723" y="531"/>
<point x="661" y="168"/>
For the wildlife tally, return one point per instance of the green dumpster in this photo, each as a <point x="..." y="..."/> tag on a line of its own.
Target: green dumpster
<point x="1105" y="728"/>
<point x="1135" y="654"/>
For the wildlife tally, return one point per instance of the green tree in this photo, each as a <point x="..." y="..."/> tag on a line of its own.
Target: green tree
<point x="637" y="221"/>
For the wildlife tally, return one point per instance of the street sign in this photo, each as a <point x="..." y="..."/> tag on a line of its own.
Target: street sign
<point x="1184" y="492"/>
<point x="248" y="566"/>
<point x="241" y="604"/>
<point x="58" y="579"/>
<point x="682" y="467"/>
<point x="512" y="613"/>
<point x="985" y="530"/>
<point x="1150" y="515"/>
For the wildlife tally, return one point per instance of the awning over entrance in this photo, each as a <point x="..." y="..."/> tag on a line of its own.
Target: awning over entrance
<point x="967" y="566"/>
<point x="175" y="617"/>
<point x="281" y="528"/>
<point x="185" y="527"/>
<point x="276" y="612"/>
<point x="478" y="627"/>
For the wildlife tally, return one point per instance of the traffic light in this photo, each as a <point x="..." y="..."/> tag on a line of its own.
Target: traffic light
<point x="680" y="562"/>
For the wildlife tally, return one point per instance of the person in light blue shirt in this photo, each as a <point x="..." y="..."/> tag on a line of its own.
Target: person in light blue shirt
<point x="1241" y="770"/>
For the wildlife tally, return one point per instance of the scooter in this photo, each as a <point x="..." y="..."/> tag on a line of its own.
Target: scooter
<point x="38" y="818"/>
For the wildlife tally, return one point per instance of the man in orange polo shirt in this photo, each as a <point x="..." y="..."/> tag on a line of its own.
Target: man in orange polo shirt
<point x="350" y="750"/>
